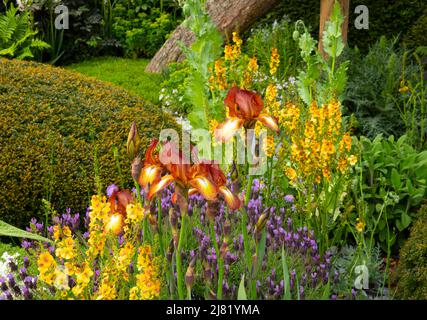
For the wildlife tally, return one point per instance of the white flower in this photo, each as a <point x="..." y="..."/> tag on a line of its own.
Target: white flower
<point x="5" y="259"/>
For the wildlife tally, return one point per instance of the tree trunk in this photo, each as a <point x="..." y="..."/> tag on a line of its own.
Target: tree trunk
<point x="227" y="15"/>
<point x="326" y="7"/>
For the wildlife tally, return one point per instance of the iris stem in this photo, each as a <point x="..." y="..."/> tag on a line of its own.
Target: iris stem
<point x="246" y="244"/>
<point x="220" y="260"/>
<point x="179" y="274"/>
<point x="159" y="224"/>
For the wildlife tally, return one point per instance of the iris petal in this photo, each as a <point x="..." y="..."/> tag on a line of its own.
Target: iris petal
<point x="269" y="121"/>
<point x="205" y="186"/>
<point x="159" y="186"/>
<point x="232" y="200"/>
<point x="227" y="129"/>
<point x="149" y="175"/>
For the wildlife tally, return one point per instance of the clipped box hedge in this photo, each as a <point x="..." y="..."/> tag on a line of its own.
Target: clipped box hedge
<point x="51" y="120"/>
<point x="412" y="269"/>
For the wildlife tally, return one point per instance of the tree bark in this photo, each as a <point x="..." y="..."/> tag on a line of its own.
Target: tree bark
<point x="326" y="7"/>
<point x="227" y="15"/>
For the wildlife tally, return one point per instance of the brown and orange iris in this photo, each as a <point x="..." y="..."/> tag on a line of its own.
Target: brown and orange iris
<point x="205" y="178"/>
<point x="245" y="109"/>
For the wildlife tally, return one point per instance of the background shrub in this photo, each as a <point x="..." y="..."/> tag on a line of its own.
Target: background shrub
<point x="394" y="177"/>
<point x="385" y="17"/>
<point x="51" y="122"/>
<point x="412" y="269"/>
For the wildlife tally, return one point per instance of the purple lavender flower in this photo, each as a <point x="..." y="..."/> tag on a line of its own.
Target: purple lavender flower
<point x="289" y="198"/>
<point x="11" y="280"/>
<point x="23" y="273"/>
<point x="3" y="285"/>
<point x="26" y="244"/>
<point x="27" y="294"/>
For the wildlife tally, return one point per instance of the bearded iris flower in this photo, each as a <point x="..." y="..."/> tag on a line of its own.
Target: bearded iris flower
<point x="189" y="178"/>
<point x="245" y="109"/>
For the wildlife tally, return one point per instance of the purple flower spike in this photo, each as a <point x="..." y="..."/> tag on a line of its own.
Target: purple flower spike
<point x="27" y="294"/>
<point x="3" y="285"/>
<point x="11" y="280"/>
<point x="23" y="273"/>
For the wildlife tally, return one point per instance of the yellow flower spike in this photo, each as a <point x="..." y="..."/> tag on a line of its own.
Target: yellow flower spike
<point x="274" y="61"/>
<point x="291" y="173"/>
<point x="56" y="232"/>
<point x="253" y="65"/>
<point x="236" y="39"/>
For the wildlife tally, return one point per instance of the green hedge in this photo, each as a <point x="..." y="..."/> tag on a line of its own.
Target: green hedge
<point x="412" y="270"/>
<point x="51" y="121"/>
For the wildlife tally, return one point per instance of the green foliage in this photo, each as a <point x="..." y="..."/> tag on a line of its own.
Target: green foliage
<point x="393" y="182"/>
<point x="10" y="249"/>
<point x="17" y="37"/>
<point x="53" y="120"/>
<point x="278" y="35"/>
<point x="172" y="94"/>
<point x="322" y="79"/>
<point x="140" y="29"/>
<point x="412" y="269"/>
<point x="373" y="93"/>
<point x="127" y="73"/>
<point x="349" y="257"/>
<point x="417" y="34"/>
<point x="200" y="55"/>
<point x="386" y="17"/>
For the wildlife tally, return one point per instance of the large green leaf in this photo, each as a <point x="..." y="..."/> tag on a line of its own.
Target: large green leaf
<point x="11" y="231"/>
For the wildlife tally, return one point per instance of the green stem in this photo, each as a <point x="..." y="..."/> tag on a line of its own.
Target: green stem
<point x="159" y="224"/>
<point x="220" y="260"/>
<point x="179" y="273"/>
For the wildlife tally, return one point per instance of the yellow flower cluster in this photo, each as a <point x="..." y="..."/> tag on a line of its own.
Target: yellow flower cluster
<point x="47" y="266"/>
<point x="274" y="61"/>
<point x="269" y="146"/>
<point x="233" y="51"/>
<point x="251" y="69"/>
<point x="135" y="213"/>
<point x="64" y="248"/>
<point x="99" y="217"/>
<point x="147" y="281"/>
<point x="318" y="144"/>
<point x="360" y="225"/>
<point x="220" y="79"/>
<point x="114" y="273"/>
